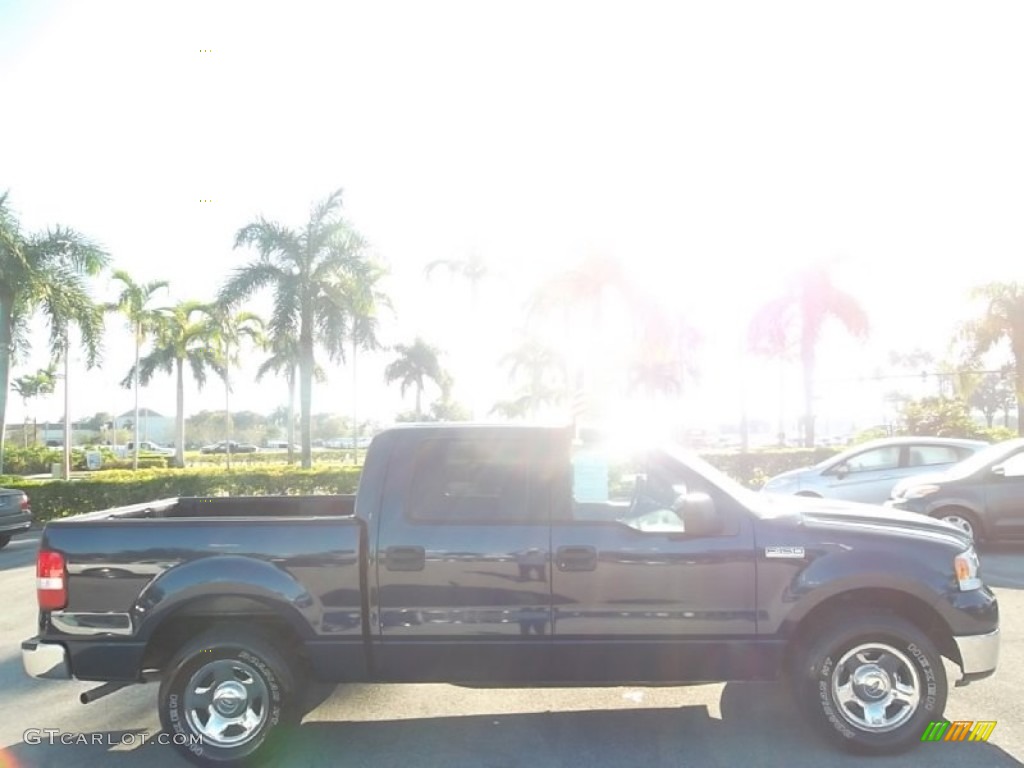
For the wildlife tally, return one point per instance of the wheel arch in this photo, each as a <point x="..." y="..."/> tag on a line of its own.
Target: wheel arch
<point x="236" y="612"/>
<point x="867" y="600"/>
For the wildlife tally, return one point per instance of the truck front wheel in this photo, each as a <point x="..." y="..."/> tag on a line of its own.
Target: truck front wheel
<point x="227" y="698"/>
<point x="871" y="683"/>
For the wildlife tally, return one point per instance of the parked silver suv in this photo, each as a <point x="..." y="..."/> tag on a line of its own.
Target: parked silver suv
<point x="867" y="473"/>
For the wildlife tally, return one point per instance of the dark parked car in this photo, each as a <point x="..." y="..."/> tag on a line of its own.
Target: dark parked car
<point x="222" y="447"/>
<point x="15" y="515"/>
<point x="867" y="473"/>
<point x="495" y="555"/>
<point x="983" y="496"/>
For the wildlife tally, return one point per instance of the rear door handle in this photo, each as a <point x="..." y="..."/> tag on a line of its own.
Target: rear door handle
<point x="576" y="558"/>
<point x="405" y="558"/>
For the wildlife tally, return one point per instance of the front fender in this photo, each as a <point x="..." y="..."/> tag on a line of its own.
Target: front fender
<point x="790" y="590"/>
<point x="226" y="576"/>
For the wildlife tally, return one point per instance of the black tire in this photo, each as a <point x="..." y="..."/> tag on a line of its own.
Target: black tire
<point x="891" y="652"/>
<point x="241" y="663"/>
<point x="5" y="539"/>
<point x="962" y="519"/>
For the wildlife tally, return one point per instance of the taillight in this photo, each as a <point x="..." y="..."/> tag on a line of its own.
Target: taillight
<point x="51" y="581"/>
<point x="24" y="503"/>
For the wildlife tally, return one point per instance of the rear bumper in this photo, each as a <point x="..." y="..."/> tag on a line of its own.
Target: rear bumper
<point x="17" y="523"/>
<point x="979" y="654"/>
<point x="48" y="661"/>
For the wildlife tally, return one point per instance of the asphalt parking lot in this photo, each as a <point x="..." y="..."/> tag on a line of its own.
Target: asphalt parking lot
<point x="436" y="725"/>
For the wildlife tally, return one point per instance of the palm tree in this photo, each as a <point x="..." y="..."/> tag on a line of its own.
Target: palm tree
<point x="33" y="385"/>
<point x="1002" y="319"/>
<point x="284" y="358"/>
<point x="587" y="288"/>
<point x="311" y="272"/>
<point x="367" y="300"/>
<point x="47" y="272"/>
<point x="133" y="303"/>
<point x="474" y="270"/>
<point x="416" y="363"/>
<point x="544" y="374"/>
<point x="797" y="318"/>
<point x="228" y="331"/>
<point x="667" y="347"/>
<point x="181" y="338"/>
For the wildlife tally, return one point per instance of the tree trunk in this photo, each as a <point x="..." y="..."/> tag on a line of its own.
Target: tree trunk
<point x="807" y="360"/>
<point x="355" y="413"/>
<point x="135" y="446"/>
<point x="306" y="387"/>
<point x="227" y="418"/>
<point x="781" y="436"/>
<point x="67" y="409"/>
<point x="179" y="416"/>
<point x="291" y="414"/>
<point x="1020" y="405"/>
<point x="6" y="330"/>
<point x="419" y="398"/>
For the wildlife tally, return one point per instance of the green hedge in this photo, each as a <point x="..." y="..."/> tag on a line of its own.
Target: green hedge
<point x="51" y="499"/>
<point x="267" y="457"/>
<point x="754" y="468"/>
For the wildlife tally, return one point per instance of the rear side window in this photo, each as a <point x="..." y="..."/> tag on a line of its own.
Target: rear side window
<point x="473" y="480"/>
<point x="928" y="455"/>
<point x="887" y="457"/>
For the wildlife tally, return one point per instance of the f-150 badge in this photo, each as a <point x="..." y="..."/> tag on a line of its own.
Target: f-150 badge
<point x="793" y="552"/>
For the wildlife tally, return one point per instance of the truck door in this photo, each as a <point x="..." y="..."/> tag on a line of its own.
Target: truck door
<point x="463" y="559"/>
<point x="638" y="598"/>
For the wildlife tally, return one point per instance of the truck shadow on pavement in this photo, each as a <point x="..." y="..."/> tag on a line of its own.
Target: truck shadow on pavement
<point x="759" y="727"/>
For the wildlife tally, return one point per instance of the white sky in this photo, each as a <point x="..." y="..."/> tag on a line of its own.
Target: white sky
<point x="711" y="146"/>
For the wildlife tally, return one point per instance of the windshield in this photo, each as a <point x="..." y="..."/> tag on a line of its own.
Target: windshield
<point x="984" y="458"/>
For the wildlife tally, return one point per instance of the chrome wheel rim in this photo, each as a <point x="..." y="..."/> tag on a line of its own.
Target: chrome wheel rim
<point x="876" y="687"/>
<point x="960" y="522"/>
<point x="226" y="702"/>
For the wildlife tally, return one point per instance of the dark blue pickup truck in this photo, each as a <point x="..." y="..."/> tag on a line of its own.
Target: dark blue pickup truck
<point x="494" y="555"/>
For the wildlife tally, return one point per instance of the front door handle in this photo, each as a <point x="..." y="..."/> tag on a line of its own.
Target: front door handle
<point x="405" y="558"/>
<point x="576" y="558"/>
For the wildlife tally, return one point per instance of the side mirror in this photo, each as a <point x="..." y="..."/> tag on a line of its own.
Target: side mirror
<point x="699" y="516"/>
<point x="841" y="471"/>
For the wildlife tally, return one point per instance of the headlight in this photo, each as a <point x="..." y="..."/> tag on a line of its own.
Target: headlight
<point x="966" y="566"/>
<point x="919" y="491"/>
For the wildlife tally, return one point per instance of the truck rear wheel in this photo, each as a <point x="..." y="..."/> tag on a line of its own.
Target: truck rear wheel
<point x="228" y="697"/>
<point x="871" y="683"/>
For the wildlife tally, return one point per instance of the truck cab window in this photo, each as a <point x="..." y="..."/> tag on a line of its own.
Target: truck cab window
<point x="470" y="480"/>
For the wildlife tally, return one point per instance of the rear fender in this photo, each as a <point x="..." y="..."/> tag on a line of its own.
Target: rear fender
<point x="226" y="576"/>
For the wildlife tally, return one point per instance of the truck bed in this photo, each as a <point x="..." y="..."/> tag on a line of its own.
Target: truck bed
<point x="180" y="559"/>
